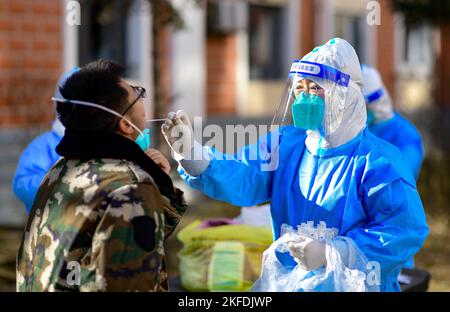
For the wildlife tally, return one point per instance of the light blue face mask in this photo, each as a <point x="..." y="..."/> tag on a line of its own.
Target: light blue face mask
<point x="308" y="111"/>
<point x="144" y="139"/>
<point x="371" y="98"/>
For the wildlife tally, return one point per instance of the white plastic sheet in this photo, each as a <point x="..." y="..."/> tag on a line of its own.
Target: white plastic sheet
<point x="346" y="270"/>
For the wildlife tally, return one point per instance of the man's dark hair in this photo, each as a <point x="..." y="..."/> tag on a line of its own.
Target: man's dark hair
<point x="97" y="82"/>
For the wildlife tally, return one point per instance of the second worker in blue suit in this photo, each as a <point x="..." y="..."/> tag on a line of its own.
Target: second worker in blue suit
<point x="389" y="125"/>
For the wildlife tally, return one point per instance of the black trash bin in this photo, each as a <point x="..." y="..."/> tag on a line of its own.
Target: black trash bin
<point x="414" y="280"/>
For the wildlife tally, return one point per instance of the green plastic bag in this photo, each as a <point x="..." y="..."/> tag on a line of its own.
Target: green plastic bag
<point x="222" y="258"/>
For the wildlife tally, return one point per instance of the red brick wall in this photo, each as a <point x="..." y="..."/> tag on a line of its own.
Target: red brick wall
<point x="30" y="60"/>
<point x="221" y="75"/>
<point x="443" y="67"/>
<point x="306" y="27"/>
<point x="164" y="52"/>
<point x="385" y="49"/>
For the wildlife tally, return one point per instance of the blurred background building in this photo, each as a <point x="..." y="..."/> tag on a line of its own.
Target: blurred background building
<point x="228" y="60"/>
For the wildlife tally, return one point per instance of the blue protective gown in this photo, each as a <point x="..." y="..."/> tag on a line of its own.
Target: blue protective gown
<point x="38" y="157"/>
<point x="402" y="134"/>
<point x="363" y="188"/>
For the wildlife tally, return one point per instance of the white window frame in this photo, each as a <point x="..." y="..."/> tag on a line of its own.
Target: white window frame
<point x="144" y="38"/>
<point x="368" y="35"/>
<point x="411" y="68"/>
<point x="243" y="81"/>
<point x="188" y="59"/>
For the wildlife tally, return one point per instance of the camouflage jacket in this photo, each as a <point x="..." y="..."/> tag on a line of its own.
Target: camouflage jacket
<point x="97" y="225"/>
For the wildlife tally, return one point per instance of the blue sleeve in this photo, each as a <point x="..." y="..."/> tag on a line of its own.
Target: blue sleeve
<point x="243" y="179"/>
<point x="408" y="140"/>
<point x="413" y="156"/>
<point x="38" y="157"/>
<point x="396" y="229"/>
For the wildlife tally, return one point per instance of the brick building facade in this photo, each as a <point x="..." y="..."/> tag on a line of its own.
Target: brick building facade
<point x="30" y="60"/>
<point x="30" y="63"/>
<point x="239" y="69"/>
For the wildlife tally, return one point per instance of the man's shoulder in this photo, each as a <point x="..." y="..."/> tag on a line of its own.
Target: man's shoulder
<point x="407" y="128"/>
<point x="75" y="178"/>
<point x="84" y="189"/>
<point x="124" y="169"/>
<point x="104" y="169"/>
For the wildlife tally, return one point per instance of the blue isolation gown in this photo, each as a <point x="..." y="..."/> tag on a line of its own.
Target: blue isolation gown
<point x="402" y="134"/>
<point x="38" y="157"/>
<point x="363" y="188"/>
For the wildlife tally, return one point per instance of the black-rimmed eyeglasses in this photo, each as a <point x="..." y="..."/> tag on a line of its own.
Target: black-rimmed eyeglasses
<point x="141" y="93"/>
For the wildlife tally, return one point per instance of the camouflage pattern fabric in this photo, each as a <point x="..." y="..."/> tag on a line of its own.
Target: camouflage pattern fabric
<point x="97" y="225"/>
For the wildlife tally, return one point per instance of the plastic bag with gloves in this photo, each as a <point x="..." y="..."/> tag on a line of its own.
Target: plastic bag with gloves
<point x="346" y="269"/>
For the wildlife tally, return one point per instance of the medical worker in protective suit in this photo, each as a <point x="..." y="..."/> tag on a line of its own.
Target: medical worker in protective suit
<point x="329" y="168"/>
<point x="38" y="157"/>
<point x="389" y="125"/>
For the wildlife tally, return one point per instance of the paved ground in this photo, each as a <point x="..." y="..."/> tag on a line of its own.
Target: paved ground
<point x="434" y="256"/>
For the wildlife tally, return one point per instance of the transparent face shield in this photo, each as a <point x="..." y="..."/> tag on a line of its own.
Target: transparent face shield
<point x="314" y="98"/>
